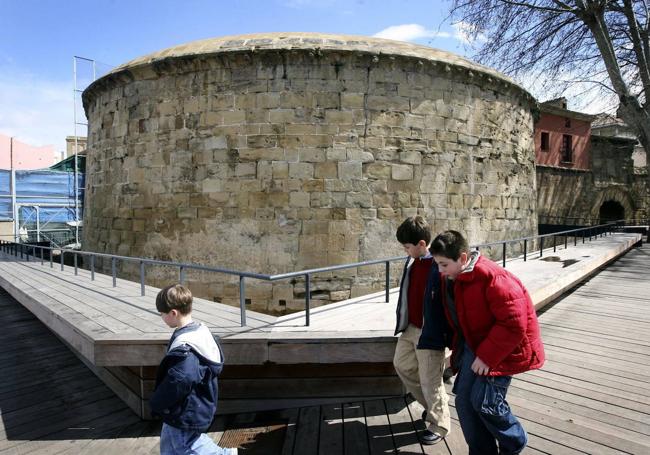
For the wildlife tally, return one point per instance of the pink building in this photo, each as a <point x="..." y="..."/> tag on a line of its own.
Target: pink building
<point x="562" y="137"/>
<point x="25" y="156"/>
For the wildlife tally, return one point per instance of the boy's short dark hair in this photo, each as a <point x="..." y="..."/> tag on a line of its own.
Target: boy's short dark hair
<point x="450" y="244"/>
<point x="174" y="297"/>
<point x="414" y="229"/>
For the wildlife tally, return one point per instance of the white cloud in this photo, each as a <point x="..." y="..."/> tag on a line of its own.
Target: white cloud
<point x="409" y="32"/>
<point x="35" y="110"/>
<point x="464" y="32"/>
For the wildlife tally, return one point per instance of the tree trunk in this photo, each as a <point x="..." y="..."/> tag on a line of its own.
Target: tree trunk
<point x="639" y="120"/>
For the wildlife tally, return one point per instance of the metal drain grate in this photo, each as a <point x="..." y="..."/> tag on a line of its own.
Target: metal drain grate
<point x="256" y="440"/>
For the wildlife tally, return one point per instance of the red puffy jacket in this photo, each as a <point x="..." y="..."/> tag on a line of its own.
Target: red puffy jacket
<point x="497" y="318"/>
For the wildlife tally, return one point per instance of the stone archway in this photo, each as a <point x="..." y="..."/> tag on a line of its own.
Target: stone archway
<point x="613" y="203"/>
<point x="611" y="211"/>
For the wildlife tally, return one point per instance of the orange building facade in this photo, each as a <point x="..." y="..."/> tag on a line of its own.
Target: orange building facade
<point x="562" y="137"/>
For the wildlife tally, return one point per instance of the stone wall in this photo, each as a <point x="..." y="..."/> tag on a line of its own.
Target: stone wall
<point x="576" y="196"/>
<point x="276" y="160"/>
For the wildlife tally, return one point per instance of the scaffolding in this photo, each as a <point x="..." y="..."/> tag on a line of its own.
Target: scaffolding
<point x="77" y="91"/>
<point x="47" y="204"/>
<point x="39" y="205"/>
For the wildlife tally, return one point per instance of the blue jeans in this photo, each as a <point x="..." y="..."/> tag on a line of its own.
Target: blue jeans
<point x="484" y="414"/>
<point x="174" y="441"/>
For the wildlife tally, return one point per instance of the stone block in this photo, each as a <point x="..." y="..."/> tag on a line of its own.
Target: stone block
<point x="410" y="157"/>
<point x="348" y="170"/>
<point x="377" y="170"/>
<point x="360" y="155"/>
<point x="312" y="155"/>
<point x="263" y="140"/>
<point x="282" y="116"/>
<point x="387" y="103"/>
<point x="386" y="213"/>
<point x="245" y="170"/>
<point x="352" y="100"/>
<point x="337" y="296"/>
<point x="283" y="292"/>
<point x="354" y="199"/>
<point x="401" y="172"/>
<point x="311" y="186"/>
<point x="280" y="169"/>
<point x="301" y="170"/>
<point x="326" y="170"/>
<point x="339" y="117"/>
<point x="299" y="199"/>
<point x="187" y="212"/>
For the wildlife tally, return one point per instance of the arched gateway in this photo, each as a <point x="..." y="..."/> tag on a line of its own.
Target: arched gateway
<point x="611" y="211"/>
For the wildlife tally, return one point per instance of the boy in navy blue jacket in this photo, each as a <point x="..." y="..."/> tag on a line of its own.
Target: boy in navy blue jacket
<point x="420" y="352"/>
<point x="186" y="383"/>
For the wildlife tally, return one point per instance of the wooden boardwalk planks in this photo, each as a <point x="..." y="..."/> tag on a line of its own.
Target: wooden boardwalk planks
<point x="592" y="396"/>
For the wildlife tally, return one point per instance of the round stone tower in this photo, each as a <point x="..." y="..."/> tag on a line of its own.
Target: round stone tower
<point x="279" y="152"/>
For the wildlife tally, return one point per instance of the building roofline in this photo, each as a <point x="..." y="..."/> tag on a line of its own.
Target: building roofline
<point x="317" y="43"/>
<point x="549" y="109"/>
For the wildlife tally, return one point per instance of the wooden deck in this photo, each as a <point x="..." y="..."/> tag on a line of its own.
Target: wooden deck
<point x="344" y="355"/>
<point x="592" y="396"/>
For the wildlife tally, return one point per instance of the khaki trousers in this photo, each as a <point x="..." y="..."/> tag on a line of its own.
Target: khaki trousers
<point x="421" y="373"/>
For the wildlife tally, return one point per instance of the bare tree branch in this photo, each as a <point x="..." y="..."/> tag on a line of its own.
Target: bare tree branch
<point x="603" y="43"/>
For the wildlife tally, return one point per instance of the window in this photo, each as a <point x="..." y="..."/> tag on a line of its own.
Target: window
<point x="567" y="123"/>
<point x="545" y="141"/>
<point x="566" y="151"/>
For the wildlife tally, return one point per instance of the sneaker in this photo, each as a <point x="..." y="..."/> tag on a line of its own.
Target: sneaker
<point x="231" y="451"/>
<point x="428" y="437"/>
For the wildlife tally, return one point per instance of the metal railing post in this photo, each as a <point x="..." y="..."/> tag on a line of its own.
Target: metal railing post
<point x="51" y="259"/>
<point x="114" y="272"/>
<point x="62" y="259"/>
<point x="41" y="248"/>
<point x="387" y="281"/>
<point x="541" y="246"/>
<point x="76" y="269"/>
<point x="307" y="298"/>
<point x="503" y="254"/>
<point x="525" y="249"/>
<point x="181" y="275"/>
<point x="554" y="244"/>
<point x="242" y="301"/>
<point x="141" y="277"/>
<point x="21" y="251"/>
<point x="92" y="267"/>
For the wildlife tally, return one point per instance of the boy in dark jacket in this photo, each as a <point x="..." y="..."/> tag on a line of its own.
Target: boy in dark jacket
<point x="420" y="352"/>
<point x="496" y="335"/>
<point x="186" y="383"/>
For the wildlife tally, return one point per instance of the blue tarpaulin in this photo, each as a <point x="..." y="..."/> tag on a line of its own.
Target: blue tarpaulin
<point x="50" y="190"/>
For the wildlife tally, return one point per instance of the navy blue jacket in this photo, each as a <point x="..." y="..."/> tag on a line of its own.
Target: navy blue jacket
<point x="435" y="330"/>
<point x="186" y="382"/>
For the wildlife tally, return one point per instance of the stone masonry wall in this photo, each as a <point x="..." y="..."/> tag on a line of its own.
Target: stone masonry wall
<point x="578" y="195"/>
<point x="276" y="161"/>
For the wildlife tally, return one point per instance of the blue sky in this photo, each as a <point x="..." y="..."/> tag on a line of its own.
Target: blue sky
<point x="38" y="40"/>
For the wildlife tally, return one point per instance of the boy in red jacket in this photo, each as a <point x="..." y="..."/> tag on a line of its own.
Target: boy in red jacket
<point x="496" y="335"/>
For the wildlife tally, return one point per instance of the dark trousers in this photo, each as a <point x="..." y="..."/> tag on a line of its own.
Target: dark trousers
<point x="488" y="425"/>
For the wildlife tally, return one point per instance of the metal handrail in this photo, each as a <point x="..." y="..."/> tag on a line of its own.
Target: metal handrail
<point x="23" y="250"/>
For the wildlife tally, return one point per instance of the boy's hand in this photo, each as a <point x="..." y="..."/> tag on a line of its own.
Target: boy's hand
<point x="479" y="367"/>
